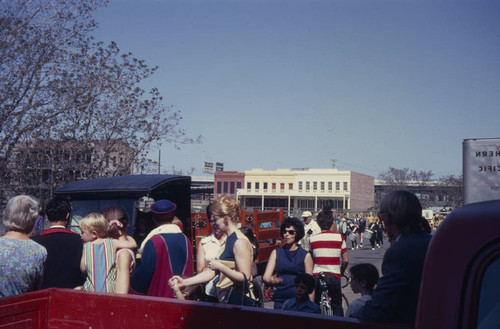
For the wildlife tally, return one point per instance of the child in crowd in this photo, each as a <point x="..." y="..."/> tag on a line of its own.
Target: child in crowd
<point x="364" y="277"/>
<point x="98" y="258"/>
<point x="304" y="285"/>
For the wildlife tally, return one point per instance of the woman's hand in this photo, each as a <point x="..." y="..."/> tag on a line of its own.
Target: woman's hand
<point x="275" y="280"/>
<point x="174" y="284"/>
<point x="176" y="281"/>
<point x="215" y="264"/>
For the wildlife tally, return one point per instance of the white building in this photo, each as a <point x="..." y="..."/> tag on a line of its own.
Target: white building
<point x="306" y="189"/>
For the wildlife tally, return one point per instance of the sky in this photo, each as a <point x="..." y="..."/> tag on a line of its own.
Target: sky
<point x="296" y="84"/>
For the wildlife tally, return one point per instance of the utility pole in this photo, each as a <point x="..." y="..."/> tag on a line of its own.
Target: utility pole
<point x="159" y="161"/>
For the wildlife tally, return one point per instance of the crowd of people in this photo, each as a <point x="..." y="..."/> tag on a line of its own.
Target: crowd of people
<point x="103" y="257"/>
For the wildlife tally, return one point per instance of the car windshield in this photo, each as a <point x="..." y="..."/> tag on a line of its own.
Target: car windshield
<point x="81" y="208"/>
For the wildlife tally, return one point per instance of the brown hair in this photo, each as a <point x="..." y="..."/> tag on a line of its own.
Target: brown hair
<point x="116" y="216"/>
<point x="404" y="209"/>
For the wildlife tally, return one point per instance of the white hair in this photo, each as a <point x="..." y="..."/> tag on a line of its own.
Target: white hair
<point x="20" y="213"/>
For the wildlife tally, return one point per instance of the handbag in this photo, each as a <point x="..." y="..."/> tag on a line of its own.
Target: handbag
<point x="233" y="297"/>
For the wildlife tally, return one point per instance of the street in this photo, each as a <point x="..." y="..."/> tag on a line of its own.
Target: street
<point x="364" y="255"/>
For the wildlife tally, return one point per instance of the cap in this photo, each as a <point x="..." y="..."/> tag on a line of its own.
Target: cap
<point x="163" y="209"/>
<point x="306" y="214"/>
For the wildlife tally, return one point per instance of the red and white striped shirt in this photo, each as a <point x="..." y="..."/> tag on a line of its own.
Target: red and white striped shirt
<point x="327" y="249"/>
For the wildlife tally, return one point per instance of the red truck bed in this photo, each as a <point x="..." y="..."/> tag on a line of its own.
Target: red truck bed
<point x="64" y="308"/>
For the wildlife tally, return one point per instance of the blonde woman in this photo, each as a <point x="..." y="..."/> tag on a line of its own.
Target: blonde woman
<point x="235" y="263"/>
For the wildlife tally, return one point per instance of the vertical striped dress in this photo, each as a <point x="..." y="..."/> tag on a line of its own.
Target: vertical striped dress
<point x="101" y="269"/>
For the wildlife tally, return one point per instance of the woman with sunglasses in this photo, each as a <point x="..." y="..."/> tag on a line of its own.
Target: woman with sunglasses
<point x="287" y="262"/>
<point x="235" y="263"/>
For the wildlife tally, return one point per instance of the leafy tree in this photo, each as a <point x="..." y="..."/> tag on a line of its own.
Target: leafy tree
<point x="65" y="96"/>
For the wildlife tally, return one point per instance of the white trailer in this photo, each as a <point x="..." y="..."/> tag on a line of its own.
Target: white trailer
<point x="481" y="169"/>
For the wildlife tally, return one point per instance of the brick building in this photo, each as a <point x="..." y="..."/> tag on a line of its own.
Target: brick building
<point x="228" y="182"/>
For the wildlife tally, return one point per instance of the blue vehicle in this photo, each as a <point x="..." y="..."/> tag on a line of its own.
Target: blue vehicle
<point x="135" y="193"/>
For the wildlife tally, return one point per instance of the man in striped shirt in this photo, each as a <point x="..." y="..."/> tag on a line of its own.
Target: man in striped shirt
<point x="329" y="253"/>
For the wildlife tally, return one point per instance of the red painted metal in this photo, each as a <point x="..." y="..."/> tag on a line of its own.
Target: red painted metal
<point x="25" y="312"/>
<point x="454" y="265"/>
<point x="269" y="237"/>
<point x="65" y="308"/>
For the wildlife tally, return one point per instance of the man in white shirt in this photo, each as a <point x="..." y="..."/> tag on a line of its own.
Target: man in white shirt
<point x="311" y="228"/>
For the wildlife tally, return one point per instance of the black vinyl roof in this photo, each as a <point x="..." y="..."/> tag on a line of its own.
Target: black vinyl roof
<point x="133" y="184"/>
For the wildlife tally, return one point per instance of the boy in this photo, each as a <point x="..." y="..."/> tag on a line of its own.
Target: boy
<point x="304" y="285"/>
<point x="364" y="277"/>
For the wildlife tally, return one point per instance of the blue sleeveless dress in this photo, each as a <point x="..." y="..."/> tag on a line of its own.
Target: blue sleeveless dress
<point x="288" y="265"/>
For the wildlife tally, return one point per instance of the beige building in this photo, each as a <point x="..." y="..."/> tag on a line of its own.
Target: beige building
<point x="307" y="189"/>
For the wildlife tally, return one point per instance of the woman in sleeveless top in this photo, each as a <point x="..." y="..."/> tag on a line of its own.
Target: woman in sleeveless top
<point x="125" y="258"/>
<point x="210" y="247"/>
<point x="98" y="258"/>
<point x="235" y="262"/>
<point x="287" y="262"/>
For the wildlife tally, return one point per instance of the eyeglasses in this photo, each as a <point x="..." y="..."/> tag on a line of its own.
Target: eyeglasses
<point x="291" y="232"/>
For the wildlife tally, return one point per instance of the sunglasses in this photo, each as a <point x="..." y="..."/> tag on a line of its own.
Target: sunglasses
<point x="291" y="232"/>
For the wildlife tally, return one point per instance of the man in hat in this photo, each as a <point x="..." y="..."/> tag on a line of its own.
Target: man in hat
<point x="311" y="228"/>
<point x="166" y="252"/>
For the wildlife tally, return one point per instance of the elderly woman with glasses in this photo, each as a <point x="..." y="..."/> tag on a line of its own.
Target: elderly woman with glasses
<point x="287" y="262"/>
<point x="234" y="264"/>
<point x="22" y="260"/>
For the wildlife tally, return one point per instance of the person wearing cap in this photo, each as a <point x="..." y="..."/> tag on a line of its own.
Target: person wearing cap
<point x="166" y="252"/>
<point x="311" y="228"/>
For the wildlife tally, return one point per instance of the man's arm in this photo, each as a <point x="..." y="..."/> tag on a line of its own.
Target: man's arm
<point x="142" y="276"/>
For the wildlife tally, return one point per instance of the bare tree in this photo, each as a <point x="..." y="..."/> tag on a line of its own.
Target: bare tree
<point x="398" y="179"/>
<point x="452" y="187"/>
<point x="60" y="87"/>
